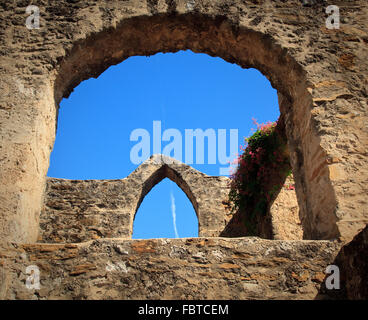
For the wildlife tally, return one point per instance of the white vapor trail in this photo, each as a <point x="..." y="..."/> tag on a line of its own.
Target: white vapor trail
<point x="173" y="211"/>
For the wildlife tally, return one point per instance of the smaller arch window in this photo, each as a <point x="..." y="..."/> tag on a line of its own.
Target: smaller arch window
<point x="165" y="212"/>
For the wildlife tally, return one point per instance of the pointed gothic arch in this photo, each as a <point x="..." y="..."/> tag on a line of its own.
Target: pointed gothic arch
<point x="165" y="212"/>
<point x="160" y="174"/>
<point x="195" y="185"/>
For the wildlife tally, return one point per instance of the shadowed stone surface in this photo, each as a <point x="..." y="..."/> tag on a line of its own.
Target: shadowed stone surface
<point x="353" y="263"/>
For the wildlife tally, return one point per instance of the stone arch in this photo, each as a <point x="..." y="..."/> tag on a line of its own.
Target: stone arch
<point x="219" y="36"/>
<point x="197" y="186"/>
<point x="81" y="210"/>
<point x="165" y="171"/>
<point x="42" y="67"/>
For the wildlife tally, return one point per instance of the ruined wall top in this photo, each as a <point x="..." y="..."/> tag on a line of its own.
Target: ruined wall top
<point x="76" y="210"/>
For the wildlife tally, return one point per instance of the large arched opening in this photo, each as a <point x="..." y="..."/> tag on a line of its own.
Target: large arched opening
<point x="245" y="47"/>
<point x="182" y="90"/>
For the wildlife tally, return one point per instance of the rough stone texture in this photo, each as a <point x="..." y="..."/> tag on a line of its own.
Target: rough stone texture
<point x="76" y="211"/>
<point x="320" y="74"/>
<point x="284" y="213"/>
<point x="201" y="268"/>
<point x="353" y="263"/>
<point x="321" y="78"/>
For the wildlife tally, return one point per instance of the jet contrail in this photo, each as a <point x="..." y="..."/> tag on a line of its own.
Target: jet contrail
<point x="173" y="211"/>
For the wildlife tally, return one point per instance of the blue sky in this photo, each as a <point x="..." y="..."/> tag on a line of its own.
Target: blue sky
<point x="182" y="90"/>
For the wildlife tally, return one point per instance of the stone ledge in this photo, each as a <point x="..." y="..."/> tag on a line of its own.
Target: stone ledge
<point x="188" y="268"/>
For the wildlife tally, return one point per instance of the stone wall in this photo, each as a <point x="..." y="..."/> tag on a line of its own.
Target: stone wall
<point x="201" y="268"/>
<point x="76" y="211"/>
<point x="284" y="213"/>
<point x="320" y="74"/>
<point x="321" y="78"/>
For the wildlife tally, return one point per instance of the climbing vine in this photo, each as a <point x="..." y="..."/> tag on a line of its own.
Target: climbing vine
<point x="260" y="173"/>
